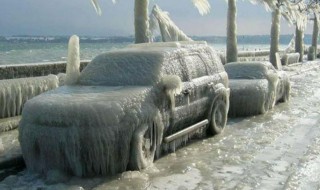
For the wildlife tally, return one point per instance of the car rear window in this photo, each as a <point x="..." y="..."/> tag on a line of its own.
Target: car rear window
<point x="195" y="66"/>
<point x="246" y="70"/>
<point x="122" y="68"/>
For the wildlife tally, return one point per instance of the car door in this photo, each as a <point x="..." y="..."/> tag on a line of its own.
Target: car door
<point x="192" y="103"/>
<point x="175" y="116"/>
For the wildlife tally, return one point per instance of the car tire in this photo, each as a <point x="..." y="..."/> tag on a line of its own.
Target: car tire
<point x="218" y="116"/>
<point x="144" y="144"/>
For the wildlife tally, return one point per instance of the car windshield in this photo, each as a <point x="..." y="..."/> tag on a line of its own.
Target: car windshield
<point x="247" y="70"/>
<point x="121" y="68"/>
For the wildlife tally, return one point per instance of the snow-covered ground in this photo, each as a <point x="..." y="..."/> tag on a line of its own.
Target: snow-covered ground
<point x="277" y="150"/>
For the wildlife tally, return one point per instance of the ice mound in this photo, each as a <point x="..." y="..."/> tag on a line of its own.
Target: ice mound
<point x="15" y="92"/>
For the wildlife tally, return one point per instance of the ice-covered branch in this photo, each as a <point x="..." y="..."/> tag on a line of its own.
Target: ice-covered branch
<point x="169" y="31"/>
<point x="203" y="6"/>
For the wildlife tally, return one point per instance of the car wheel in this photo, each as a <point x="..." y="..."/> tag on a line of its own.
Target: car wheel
<point x="143" y="146"/>
<point x="218" y="116"/>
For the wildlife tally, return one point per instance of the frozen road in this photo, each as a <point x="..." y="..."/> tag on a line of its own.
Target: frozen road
<point x="278" y="150"/>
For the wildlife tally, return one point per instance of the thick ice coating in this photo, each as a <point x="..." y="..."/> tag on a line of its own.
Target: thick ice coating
<point x="15" y="92"/>
<point x="255" y="87"/>
<point x="115" y="117"/>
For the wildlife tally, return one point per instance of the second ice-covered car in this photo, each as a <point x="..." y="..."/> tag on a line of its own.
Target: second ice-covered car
<point x="255" y="87"/>
<point x="128" y="106"/>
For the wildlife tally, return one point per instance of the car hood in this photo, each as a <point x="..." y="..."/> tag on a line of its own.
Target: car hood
<point x="66" y="102"/>
<point x="84" y="130"/>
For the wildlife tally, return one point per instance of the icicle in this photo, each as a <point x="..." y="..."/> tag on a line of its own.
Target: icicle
<point x="96" y="6"/>
<point x="203" y="6"/>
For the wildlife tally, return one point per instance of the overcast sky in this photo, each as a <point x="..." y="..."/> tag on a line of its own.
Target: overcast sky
<point x="66" y="17"/>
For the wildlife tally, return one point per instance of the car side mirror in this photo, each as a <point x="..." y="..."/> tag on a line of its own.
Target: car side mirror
<point x="172" y="85"/>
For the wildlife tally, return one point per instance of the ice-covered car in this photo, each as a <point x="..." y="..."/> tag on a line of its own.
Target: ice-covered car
<point x="128" y="106"/>
<point x="255" y="87"/>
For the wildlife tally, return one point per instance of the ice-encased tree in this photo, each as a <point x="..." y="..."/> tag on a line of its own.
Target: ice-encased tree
<point x="141" y="19"/>
<point x="315" y="33"/>
<point x="279" y="8"/>
<point x="301" y="24"/>
<point x="314" y="10"/>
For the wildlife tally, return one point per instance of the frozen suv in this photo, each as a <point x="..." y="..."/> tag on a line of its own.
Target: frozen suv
<point x="127" y="108"/>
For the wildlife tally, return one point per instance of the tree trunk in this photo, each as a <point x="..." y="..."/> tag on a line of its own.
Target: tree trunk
<point x="141" y="21"/>
<point x="315" y="34"/>
<point x="299" y="43"/>
<point x="275" y="35"/>
<point x="232" y="51"/>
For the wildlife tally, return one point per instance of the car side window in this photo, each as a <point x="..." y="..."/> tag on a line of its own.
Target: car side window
<point x="214" y="62"/>
<point x="174" y="67"/>
<point x="195" y="66"/>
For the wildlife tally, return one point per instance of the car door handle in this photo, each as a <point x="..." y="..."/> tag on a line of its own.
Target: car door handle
<point x="187" y="91"/>
<point x="210" y="84"/>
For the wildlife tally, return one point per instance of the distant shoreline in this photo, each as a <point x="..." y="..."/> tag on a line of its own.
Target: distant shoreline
<point x="242" y="39"/>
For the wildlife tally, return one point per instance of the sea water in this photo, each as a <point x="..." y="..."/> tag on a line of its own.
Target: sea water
<point x="19" y="51"/>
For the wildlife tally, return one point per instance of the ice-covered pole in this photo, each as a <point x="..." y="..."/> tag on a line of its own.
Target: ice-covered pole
<point x="73" y="62"/>
<point x="141" y="21"/>
<point x="275" y="35"/>
<point x="232" y="51"/>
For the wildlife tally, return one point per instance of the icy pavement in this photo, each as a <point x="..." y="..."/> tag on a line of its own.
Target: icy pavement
<point x="278" y="150"/>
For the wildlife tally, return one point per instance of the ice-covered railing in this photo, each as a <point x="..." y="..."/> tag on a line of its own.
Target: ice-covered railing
<point x="15" y="92"/>
<point x="35" y="69"/>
